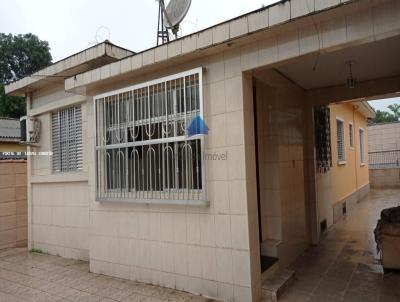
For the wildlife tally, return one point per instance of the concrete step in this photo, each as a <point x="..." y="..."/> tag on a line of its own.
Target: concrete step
<point x="270" y="271"/>
<point x="274" y="285"/>
<point x="270" y="247"/>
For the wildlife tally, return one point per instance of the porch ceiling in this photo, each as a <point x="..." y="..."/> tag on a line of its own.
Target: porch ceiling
<point x="378" y="59"/>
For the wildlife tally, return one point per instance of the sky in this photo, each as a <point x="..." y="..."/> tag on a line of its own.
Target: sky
<point x="72" y="25"/>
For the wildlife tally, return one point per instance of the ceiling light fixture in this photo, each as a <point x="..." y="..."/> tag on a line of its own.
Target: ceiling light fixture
<point x="351" y="81"/>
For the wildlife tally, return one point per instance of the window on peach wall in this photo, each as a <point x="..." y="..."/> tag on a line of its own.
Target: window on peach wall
<point x="351" y="134"/>
<point x="362" y="147"/>
<point x="341" y="154"/>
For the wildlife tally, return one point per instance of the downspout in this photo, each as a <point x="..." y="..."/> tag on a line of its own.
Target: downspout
<point x="28" y="97"/>
<point x="354" y="145"/>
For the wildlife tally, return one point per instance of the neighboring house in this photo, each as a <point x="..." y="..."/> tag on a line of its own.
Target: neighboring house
<point x="127" y="189"/>
<point x="349" y="141"/>
<point x="10" y="135"/>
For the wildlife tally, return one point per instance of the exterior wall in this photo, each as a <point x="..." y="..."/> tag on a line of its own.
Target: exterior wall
<point x="384" y="178"/>
<point x="209" y="250"/>
<point x="11" y="147"/>
<point x="280" y="144"/>
<point x="351" y="176"/>
<point x="59" y="202"/>
<point x="384" y="137"/>
<point x="203" y="250"/>
<point x="13" y="205"/>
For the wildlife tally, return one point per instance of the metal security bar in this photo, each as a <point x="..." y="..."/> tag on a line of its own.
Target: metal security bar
<point x="384" y="159"/>
<point x="340" y="140"/>
<point x="142" y="151"/>
<point x="67" y="139"/>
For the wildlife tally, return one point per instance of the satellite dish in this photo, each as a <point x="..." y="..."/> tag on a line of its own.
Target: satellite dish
<point x="170" y="17"/>
<point x="175" y="11"/>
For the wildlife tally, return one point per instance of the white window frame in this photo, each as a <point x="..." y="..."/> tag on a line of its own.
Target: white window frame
<point x="351" y="135"/>
<point x="341" y="161"/>
<point x="179" y="196"/>
<point x="361" y="141"/>
<point x="60" y="141"/>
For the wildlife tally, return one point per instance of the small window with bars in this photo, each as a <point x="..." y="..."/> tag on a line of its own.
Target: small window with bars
<point x="362" y="147"/>
<point x="351" y="135"/>
<point x="340" y="141"/>
<point x="67" y="139"/>
<point x="143" y="152"/>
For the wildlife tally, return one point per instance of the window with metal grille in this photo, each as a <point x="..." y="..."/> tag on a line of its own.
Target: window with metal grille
<point x="362" y="148"/>
<point x="67" y="139"/>
<point x="351" y="135"/>
<point x="143" y="153"/>
<point x="340" y="140"/>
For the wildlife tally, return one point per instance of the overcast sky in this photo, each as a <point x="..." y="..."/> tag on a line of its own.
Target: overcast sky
<point x="72" y="25"/>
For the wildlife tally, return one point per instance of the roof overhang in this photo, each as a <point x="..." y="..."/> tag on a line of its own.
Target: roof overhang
<point x="88" y="59"/>
<point x="364" y="108"/>
<point x="256" y="25"/>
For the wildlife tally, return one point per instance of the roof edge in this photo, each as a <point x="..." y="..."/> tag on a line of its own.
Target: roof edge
<point x="88" y="54"/>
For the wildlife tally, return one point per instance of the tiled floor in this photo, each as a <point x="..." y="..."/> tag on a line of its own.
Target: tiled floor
<point x="37" y="277"/>
<point x="345" y="266"/>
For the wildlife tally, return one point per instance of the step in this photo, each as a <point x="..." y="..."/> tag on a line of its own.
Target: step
<point x="270" y="247"/>
<point x="269" y="266"/>
<point x="274" y="285"/>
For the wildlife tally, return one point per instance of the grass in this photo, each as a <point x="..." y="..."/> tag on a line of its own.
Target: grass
<point x="37" y="251"/>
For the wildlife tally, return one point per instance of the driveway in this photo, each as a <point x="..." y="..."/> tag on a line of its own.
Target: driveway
<point x="345" y="266"/>
<point x="43" y="278"/>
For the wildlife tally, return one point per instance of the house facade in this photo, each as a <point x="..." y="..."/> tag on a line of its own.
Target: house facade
<point x="349" y="141"/>
<point x="10" y="135"/>
<point x="129" y="190"/>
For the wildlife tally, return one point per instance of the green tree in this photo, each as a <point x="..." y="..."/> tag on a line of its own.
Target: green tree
<point x="20" y="56"/>
<point x="395" y="108"/>
<point x="385" y="117"/>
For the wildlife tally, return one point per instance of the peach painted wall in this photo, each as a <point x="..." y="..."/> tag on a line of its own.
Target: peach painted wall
<point x="351" y="175"/>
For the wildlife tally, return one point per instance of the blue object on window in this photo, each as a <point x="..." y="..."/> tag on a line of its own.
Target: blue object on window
<point x="197" y="127"/>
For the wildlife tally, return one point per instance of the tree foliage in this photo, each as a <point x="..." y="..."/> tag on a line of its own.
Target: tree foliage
<point x="386" y="116"/>
<point x="20" y="56"/>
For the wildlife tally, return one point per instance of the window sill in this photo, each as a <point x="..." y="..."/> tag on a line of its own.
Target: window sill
<point x="342" y="163"/>
<point x="200" y="202"/>
<point x="61" y="177"/>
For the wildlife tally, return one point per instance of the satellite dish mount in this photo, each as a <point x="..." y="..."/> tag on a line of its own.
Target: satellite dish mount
<point x="170" y="17"/>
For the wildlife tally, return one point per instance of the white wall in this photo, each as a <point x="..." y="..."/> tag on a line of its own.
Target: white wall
<point x="58" y="202"/>
<point x="202" y="250"/>
<point x="281" y="162"/>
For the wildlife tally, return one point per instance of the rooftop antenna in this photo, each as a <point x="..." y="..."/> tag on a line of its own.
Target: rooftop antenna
<point x="170" y="17"/>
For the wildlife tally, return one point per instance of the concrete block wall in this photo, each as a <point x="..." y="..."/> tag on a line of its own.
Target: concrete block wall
<point x="384" y="178"/>
<point x="13" y="204"/>
<point x="384" y="137"/>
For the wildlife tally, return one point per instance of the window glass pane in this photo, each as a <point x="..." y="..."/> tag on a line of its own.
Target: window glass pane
<point x="351" y="135"/>
<point x="362" y="152"/>
<point x="67" y="139"/>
